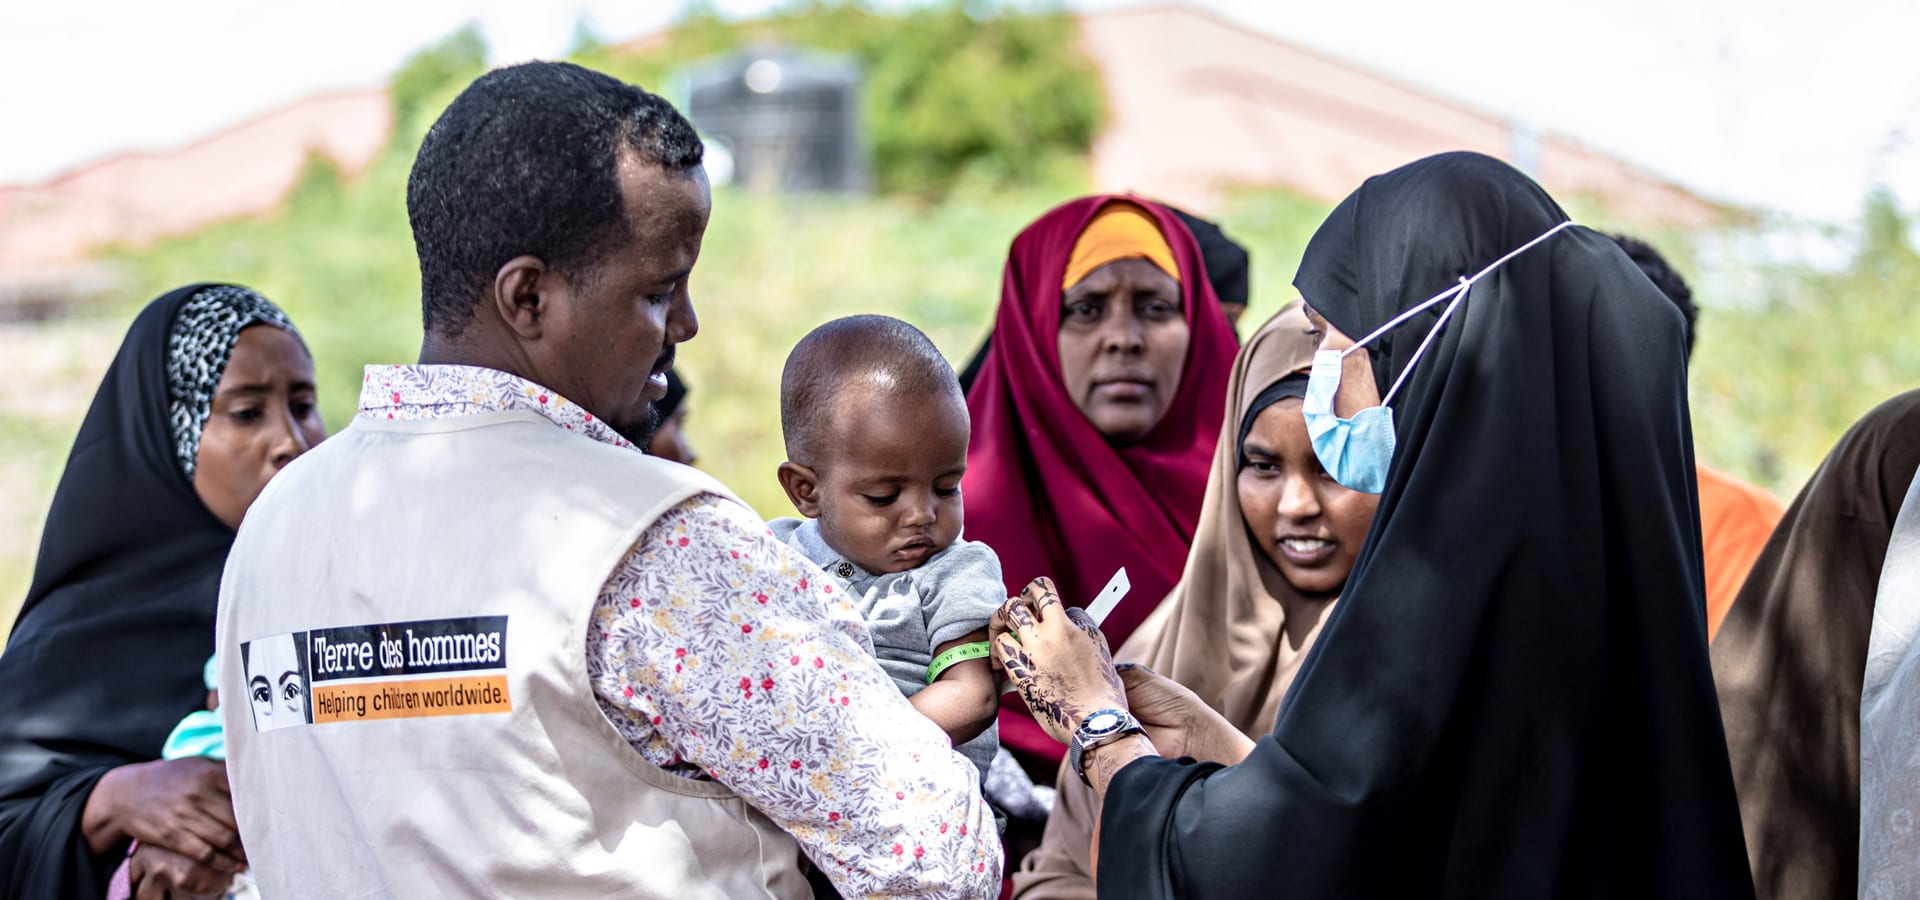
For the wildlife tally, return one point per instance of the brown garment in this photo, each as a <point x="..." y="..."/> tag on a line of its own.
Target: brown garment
<point x="1218" y="631"/>
<point x="1788" y="660"/>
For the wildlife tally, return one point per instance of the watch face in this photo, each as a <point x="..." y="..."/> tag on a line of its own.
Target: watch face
<point x="1101" y="722"/>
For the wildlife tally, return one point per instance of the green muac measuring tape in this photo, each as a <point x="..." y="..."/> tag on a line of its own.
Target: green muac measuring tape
<point x="1103" y="603"/>
<point x="962" y="653"/>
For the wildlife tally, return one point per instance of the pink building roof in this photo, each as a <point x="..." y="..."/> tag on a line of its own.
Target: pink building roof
<point x="1255" y="110"/>
<point x="139" y="197"/>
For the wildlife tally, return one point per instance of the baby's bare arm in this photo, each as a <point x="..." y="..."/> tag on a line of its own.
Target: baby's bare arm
<point x="962" y="702"/>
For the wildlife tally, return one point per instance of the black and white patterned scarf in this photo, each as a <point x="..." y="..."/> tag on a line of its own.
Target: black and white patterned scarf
<point x="198" y="346"/>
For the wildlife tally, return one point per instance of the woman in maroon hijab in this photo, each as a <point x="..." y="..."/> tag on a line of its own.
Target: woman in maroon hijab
<point x="1095" y="413"/>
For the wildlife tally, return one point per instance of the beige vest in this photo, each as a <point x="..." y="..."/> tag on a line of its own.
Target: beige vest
<point x="402" y="643"/>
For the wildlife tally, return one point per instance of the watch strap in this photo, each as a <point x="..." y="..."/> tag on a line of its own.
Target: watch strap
<point x="1079" y="745"/>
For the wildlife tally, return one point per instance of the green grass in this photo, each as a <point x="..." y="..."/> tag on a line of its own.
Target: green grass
<point x="32" y="454"/>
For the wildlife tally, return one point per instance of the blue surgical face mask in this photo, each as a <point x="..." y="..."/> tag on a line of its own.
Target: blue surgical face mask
<point x="1358" y="452"/>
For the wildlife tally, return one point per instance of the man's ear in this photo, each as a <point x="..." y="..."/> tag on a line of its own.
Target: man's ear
<point x="802" y="487"/>
<point x="517" y="296"/>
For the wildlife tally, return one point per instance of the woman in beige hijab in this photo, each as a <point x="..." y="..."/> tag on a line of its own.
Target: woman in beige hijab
<point x="1275" y="542"/>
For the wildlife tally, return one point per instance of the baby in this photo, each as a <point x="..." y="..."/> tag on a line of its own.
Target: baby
<point x="876" y="433"/>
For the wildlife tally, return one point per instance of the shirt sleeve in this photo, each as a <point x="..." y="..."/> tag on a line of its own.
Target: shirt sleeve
<point x="719" y="647"/>
<point x="961" y="592"/>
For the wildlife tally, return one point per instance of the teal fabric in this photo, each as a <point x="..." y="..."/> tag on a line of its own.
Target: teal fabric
<point x="198" y="734"/>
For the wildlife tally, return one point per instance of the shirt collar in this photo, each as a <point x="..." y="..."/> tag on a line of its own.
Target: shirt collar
<point x="420" y="392"/>
<point x="811" y="544"/>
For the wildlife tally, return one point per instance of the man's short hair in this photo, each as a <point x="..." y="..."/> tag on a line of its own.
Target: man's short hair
<point x="523" y="162"/>
<point x="1663" y="277"/>
<point x="877" y="353"/>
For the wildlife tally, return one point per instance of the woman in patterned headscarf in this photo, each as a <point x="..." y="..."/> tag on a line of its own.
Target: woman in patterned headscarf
<point x="210" y="395"/>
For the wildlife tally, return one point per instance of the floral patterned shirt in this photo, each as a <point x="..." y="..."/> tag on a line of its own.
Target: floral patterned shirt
<point x="721" y="653"/>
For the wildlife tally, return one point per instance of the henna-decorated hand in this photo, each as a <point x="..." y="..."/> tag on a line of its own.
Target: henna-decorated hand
<point x="1178" y="722"/>
<point x="1056" y="658"/>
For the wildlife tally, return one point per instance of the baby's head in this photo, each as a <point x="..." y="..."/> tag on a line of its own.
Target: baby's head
<point x="876" y="432"/>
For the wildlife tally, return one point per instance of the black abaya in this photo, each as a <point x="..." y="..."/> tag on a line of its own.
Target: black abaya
<point x="1512" y="698"/>
<point x="106" y="655"/>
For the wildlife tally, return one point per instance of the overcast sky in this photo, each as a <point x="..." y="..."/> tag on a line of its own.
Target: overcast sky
<point x="1794" y="105"/>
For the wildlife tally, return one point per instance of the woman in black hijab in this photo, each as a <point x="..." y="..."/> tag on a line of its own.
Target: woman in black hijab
<point x="1513" y="697"/>
<point x="197" y="411"/>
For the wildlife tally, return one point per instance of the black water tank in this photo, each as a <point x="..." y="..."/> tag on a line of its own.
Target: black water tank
<point x="787" y="121"/>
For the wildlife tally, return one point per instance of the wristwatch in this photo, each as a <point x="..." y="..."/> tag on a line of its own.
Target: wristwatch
<point x="1100" y="728"/>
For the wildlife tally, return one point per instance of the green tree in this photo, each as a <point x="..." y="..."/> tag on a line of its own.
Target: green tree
<point x="1775" y="381"/>
<point x="427" y="81"/>
<point x="317" y="192"/>
<point x="586" y="41"/>
<point x="963" y="90"/>
<point x="1884" y="247"/>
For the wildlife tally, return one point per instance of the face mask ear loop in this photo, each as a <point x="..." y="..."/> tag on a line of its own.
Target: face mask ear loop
<point x="1564" y="224"/>
<point x="1466" y="285"/>
<point x="1394" y="322"/>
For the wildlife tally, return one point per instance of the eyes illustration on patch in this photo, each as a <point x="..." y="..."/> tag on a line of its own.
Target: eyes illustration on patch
<point x="292" y="691"/>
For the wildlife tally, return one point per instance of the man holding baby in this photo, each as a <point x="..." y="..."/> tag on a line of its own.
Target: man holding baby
<point x="672" y="702"/>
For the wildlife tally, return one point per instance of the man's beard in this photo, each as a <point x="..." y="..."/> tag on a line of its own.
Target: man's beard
<point x="641" y="433"/>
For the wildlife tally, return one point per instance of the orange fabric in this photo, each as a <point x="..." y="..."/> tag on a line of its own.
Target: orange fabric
<point x="1736" y="519"/>
<point x="1119" y="231"/>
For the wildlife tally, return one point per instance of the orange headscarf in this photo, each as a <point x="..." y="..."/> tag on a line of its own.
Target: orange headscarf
<point x="1119" y="230"/>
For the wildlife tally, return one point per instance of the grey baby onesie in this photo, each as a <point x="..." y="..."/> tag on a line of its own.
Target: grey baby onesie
<point x="910" y="613"/>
